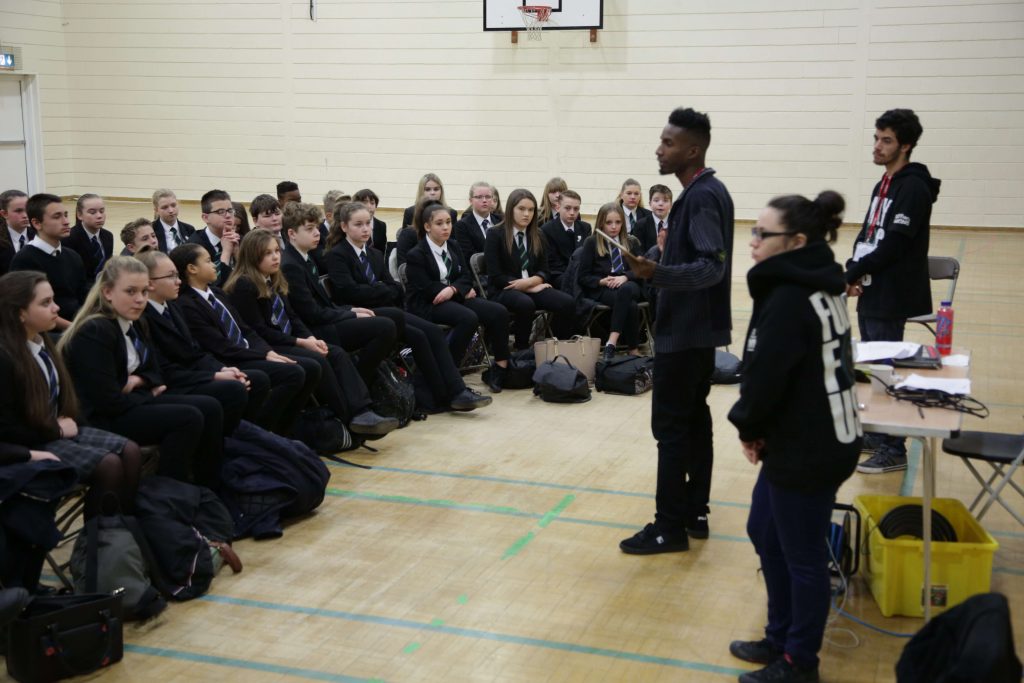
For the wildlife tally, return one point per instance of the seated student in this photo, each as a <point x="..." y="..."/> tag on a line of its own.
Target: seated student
<point x="496" y="205"/>
<point x="564" y="235"/>
<point x="219" y="329"/>
<point x="266" y="214"/>
<point x="242" y="226"/>
<point x="632" y="203"/>
<point x="187" y="368"/>
<point x="116" y="372"/>
<point x="63" y="267"/>
<point x="648" y="227"/>
<point x="88" y="237"/>
<point x="549" y="200"/>
<point x="430" y="187"/>
<point x="471" y="230"/>
<point x="360" y="278"/>
<point x="440" y="289"/>
<point x="260" y="294"/>
<point x="38" y="406"/>
<point x="219" y="237"/>
<point x="170" y="232"/>
<point x="380" y="228"/>
<point x="331" y="200"/>
<point x="138" y="237"/>
<point x="357" y="330"/>
<point x="288" y="192"/>
<point x="605" y="277"/>
<point x="517" y="274"/>
<point x="17" y="230"/>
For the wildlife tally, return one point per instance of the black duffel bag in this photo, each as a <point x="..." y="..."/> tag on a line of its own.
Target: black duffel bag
<point x="558" y="382"/>
<point x="61" y="636"/>
<point x="521" y="367"/>
<point x="629" y="375"/>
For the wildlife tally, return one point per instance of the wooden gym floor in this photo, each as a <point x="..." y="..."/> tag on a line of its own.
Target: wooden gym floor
<point x="483" y="546"/>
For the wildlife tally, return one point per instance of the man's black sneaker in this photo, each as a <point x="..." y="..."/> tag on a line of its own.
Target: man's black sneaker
<point x="467" y="399"/>
<point x="885" y="459"/>
<point x="757" y="651"/>
<point x="697" y="527"/>
<point x="781" y="671"/>
<point x="651" y="541"/>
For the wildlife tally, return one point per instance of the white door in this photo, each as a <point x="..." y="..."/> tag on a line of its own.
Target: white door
<point x="13" y="159"/>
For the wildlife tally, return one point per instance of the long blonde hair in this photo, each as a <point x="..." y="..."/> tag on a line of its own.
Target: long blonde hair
<point x="427" y="177"/>
<point x="556" y="184"/>
<point x="96" y="305"/>
<point x="251" y="251"/>
<point x="602" y="218"/>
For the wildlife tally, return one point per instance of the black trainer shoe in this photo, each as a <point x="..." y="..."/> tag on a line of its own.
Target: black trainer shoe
<point x="468" y="400"/>
<point x="651" y="541"/>
<point x="697" y="527"/>
<point x="885" y="459"/>
<point x="608" y="353"/>
<point x="757" y="651"/>
<point x="494" y="378"/>
<point x="369" y="422"/>
<point x="781" y="671"/>
<point x="871" y="442"/>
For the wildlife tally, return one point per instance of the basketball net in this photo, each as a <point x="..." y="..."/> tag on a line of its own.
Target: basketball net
<point x="535" y="17"/>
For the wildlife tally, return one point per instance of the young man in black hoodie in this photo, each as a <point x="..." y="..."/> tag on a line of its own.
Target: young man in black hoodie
<point x="889" y="268"/>
<point x="797" y="416"/>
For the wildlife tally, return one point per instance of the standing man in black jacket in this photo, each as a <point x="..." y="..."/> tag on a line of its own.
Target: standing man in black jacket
<point x="889" y="268"/>
<point x="694" y="316"/>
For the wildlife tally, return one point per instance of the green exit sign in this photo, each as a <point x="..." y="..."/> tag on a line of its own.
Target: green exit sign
<point x="6" y="60"/>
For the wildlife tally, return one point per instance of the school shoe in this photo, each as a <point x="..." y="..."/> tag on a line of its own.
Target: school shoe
<point x="494" y="378"/>
<point x="782" y="671"/>
<point x="651" y="541"/>
<point x="697" y="527"/>
<point x="467" y="400"/>
<point x="885" y="459"/>
<point x="609" y="352"/>
<point x="757" y="651"/>
<point x="872" y="442"/>
<point x="369" y="422"/>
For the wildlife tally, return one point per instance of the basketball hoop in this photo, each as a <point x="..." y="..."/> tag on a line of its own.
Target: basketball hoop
<point x="535" y="17"/>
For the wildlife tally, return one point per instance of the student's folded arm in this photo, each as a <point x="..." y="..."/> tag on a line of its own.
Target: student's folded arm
<point x="245" y="298"/>
<point x="12" y="453"/>
<point x="93" y="364"/>
<point x="588" y="275"/>
<point x="709" y="266"/>
<point x="344" y="287"/>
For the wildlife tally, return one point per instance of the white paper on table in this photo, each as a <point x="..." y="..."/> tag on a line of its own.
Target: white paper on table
<point x="957" y="360"/>
<point x="950" y="386"/>
<point x="869" y="351"/>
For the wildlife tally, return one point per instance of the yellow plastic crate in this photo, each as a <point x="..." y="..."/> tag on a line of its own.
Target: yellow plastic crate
<point x="895" y="567"/>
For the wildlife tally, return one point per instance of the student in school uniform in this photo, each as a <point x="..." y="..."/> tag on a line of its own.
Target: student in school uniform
<point x="648" y="227"/>
<point x="218" y="238"/>
<point x="219" y="330"/>
<point x="242" y="226"/>
<point x="357" y="330"/>
<point x="380" y="228"/>
<point x="430" y="187"/>
<point x="331" y="199"/>
<point x="266" y="214"/>
<point x="63" y="267"/>
<point x="440" y="289"/>
<point x="517" y="271"/>
<point x="88" y="237"/>
<point x="259" y="292"/>
<point x="632" y="202"/>
<point x="138" y="237"/>
<point x="116" y="372"/>
<point x="564" y="235"/>
<point x="187" y="368"/>
<point x="549" y="200"/>
<point x="170" y="232"/>
<point x="39" y="408"/>
<point x="17" y="230"/>
<point x="288" y="192"/>
<point x="471" y="230"/>
<point x="359" y="277"/>
<point x="605" y="277"/>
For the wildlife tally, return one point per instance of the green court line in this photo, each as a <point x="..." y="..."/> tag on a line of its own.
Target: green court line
<point x="230" y="662"/>
<point x="411" y="647"/>
<point x="479" y="634"/>
<point x="555" y="511"/>
<point x="432" y="502"/>
<point x="549" y="517"/>
<point x="514" y="549"/>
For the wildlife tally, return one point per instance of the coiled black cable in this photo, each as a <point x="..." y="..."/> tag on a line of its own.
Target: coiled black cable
<point x="907" y="520"/>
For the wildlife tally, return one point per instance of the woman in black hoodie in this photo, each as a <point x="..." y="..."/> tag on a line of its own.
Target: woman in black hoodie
<point x="797" y="415"/>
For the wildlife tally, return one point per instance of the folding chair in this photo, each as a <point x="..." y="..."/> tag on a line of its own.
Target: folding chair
<point x="393" y="264"/>
<point x="325" y="282"/>
<point x="1004" y="453"/>
<point x="939" y="268"/>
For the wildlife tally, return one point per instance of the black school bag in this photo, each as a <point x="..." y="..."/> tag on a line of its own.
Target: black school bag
<point x="629" y="375"/>
<point x="393" y="394"/>
<point x="561" y="382"/>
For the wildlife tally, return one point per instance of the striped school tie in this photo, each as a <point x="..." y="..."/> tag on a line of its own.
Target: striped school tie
<point x="176" y="237"/>
<point x="278" y="316"/>
<point x="97" y="253"/>
<point x="447" y="265"/>
<point x="217" y="251"/>
<point x="140" y="347"/>
<point x="484" y="225"/>
<point x="51" y="378"/>
<point x="632" y="222"/>
<point x="616" y="260"/>
<point x="524" y="256"/>
<point x="367" y="268"/>
<point x="227" y="323"/>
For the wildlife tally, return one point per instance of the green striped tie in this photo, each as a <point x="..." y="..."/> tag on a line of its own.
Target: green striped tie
<point x="524" y="257"/>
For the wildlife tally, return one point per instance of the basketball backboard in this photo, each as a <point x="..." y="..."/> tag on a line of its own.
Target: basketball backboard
<point x="505" y="15"/>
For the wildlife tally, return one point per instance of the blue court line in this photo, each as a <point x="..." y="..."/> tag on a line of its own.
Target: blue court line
<point x="1008" y="570"/>
<point x="183" y="655"/>
<point x="478" y="634"/>
<point x="528" y="482"/>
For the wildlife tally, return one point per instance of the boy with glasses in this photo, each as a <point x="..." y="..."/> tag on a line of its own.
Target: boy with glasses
<point x="219" y="237"/>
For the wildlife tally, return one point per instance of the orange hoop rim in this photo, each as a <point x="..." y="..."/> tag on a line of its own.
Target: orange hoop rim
<point x="541" y="12"/>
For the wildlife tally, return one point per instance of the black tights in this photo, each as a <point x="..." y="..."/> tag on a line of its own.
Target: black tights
<point x="117" y="474"/>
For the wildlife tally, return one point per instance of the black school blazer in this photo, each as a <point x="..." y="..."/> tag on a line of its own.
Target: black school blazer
<point x="98" y="361"/>
<point x="80" y="241"/>
<point x="185" y="232"/>
<point x="561" y="245"/>
<point x="469" y="236"/>
<point x="257" y="314"/>
<point x="205" y="327"/>
<point x="13" y="428"/>
<point x="594" y="268"/>
<point x="183" y="364"/>
<point x="646" y="231"/>
<point x="503" y="266"/>
<point x="424" y="277"/>
<point x="306" y="295"/>
<point x="349" y="283"/>
<point x="199" y="237"/>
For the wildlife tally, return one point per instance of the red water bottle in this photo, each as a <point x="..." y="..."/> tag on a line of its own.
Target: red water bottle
<point x="944" y="328"/>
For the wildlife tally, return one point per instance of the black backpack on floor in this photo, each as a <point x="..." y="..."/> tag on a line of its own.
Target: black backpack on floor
<point x="629" y="375"/>
<point x="393" y="394"/>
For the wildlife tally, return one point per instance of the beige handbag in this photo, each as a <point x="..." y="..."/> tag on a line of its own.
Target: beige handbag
<point x="582" y="352"/>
